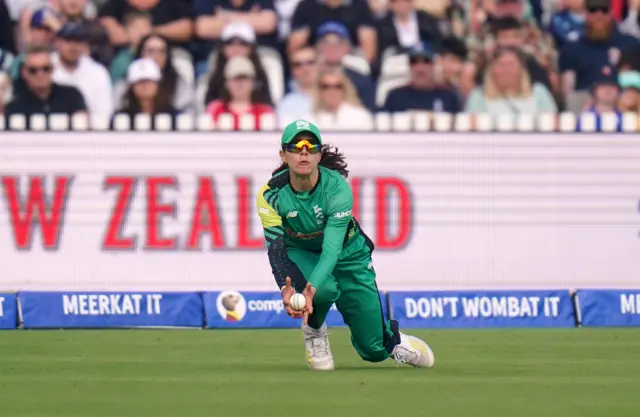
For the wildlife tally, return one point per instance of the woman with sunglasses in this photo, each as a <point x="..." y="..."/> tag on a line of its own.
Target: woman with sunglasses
<point x="316" y="246"/>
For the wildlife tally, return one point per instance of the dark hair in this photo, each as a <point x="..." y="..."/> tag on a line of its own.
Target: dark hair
<point x="216" y="81"/>
<point x="169" y="80"/>
<point x="331" y="158"/>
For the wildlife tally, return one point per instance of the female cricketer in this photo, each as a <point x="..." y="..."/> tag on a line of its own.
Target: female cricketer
<point x="316" y="246"/>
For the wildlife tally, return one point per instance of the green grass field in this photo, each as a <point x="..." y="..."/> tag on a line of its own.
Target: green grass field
<point x="234" y="373"/>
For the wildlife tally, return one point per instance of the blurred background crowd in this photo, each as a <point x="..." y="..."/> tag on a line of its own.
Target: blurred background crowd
<point x="338" y="59"/>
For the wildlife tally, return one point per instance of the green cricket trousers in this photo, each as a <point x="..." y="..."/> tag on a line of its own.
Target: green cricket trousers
<point x="352" y="287"/>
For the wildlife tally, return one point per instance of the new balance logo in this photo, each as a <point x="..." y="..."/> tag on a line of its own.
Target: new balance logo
<point x="263" y="210"/>
<point x="343" y="214"/>
<point x="292" y="214"/>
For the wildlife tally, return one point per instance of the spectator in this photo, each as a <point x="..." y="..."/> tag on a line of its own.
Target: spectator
<point x="238" y="39"/>
<point x="285" y="10"/>
<point x="404" y="27"/>
<point x="172" y="85"/>
<point x="74" y="67"/>
<point x="214" y="15"/>
<point x="36" y="93"/>
<point x="7" y="43"/>
<point x="333" y="45"/>
<point x="239" y="96"/>
<point x="629" y="99"/>
<point x="355" y="15"/>
<point x="422" y="93"/>
<point x="631" y="25"/>
<point x="509" y="33"/>
<point x="38" y="25"/>
<point x="567" y="25"/>
<point x="304" y="67"/>
<point x="336" y="102"/>
<point x="582" y="62"/>
<point x="453" y="57"/>
<point x="605" y="93"/>
<point x="508" y="89"/>
<point x="84" y="12"/>
<point x="171" y="19"/>
<point x="5" y="90"/>
<point x="137" y="25"/>
<point x="144" y="95"/>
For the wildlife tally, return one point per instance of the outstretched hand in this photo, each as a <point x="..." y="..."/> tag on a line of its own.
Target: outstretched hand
<point x="308" y="293"/>
<point x="287" y="292"/>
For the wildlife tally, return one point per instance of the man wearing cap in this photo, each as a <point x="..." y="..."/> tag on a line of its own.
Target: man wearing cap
<point x="422" y="92"/>
<point x="316" y="246"/>
<point x="214" y="15"/>
<point x="581" y="62"/>
<point x="332" y="45"/>
<point x="74" y="67"/>
<point x="355" y="15"/>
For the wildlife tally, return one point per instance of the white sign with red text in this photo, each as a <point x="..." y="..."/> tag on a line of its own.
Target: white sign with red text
<point x="176" y="211"/>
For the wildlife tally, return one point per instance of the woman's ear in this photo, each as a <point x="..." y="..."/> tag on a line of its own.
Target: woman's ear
<point x="282" y="157"/>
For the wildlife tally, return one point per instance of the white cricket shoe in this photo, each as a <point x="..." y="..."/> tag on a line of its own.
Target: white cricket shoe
<point x="316" y="342"/>
<point x="414" y="352"/>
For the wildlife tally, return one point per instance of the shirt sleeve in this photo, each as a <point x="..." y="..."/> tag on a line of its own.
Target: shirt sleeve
<point x="281" y="265"/>
<point x="300" y="18"/>
<point x="112" y="8"/>
<point x="340" y="211"/>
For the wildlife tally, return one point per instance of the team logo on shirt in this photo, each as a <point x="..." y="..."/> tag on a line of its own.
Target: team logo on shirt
<point x="319" y="215"/>
<point x="292" y="214"/>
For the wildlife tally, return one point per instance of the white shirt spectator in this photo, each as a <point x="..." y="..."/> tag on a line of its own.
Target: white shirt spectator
<point x="348" y="117"/>
<point x="93" y="81"/>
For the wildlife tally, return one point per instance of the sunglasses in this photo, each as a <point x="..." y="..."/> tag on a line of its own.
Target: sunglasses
<point x="298" y="64"/>
<point x="297" y="147"/>
<point x="328" y="86"/>
<point x="46" y="69"/>
<point x="604" y="10"/>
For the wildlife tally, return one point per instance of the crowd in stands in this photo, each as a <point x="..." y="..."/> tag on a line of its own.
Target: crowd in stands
<point x="338" y="60"/>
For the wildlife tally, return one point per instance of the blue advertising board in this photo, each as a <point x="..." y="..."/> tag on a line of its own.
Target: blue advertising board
<point x="248" y="309"/>
<point x="601" y="308"/>
<point x="109" y="310"/>
<point x="482" y="309"/>
<point x="8" y="311"/>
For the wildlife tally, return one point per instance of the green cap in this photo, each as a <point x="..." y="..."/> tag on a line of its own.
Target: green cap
<point x="300" y="126"/>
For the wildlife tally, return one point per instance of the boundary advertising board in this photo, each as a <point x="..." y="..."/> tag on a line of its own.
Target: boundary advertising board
<point x="176" y="212"/>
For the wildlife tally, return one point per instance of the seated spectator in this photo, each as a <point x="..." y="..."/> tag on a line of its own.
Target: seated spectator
<point x="567" y="25"/>
<point x="509" y="33"/>
<point x="355" y="15"/>
<point x="453" y="56"/>
<point x="36" y="93"/>
<point x="171" y="19"/>
<point x="238" y="39"/>
<point x="508" y="89"/>
<point x="157" y="47"/>
<point x="143" y="94"/>
<point x="422" y="93"/>
<point x="72" y="66"/>
<point x="336" y="102"/>
<point x="239" y="96"/>
<point x="41" y="28"/>
<point x="605" y="93"/>
<point x="304" y="67"/>
<point x="404" y="27"/>
<point x="581" y="62"/>
<point x="284" y="10"/>
<point x="7" y="42"/>
<point x="629" y="99"/>
<point x="333" y="45"/>
<point x="137" y="25"/>
<point x="5" y="90"/>
<point x="214" y="15"/>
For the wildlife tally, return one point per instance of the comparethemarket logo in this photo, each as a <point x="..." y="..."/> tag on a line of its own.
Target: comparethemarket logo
<point x="231" y="306"/>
